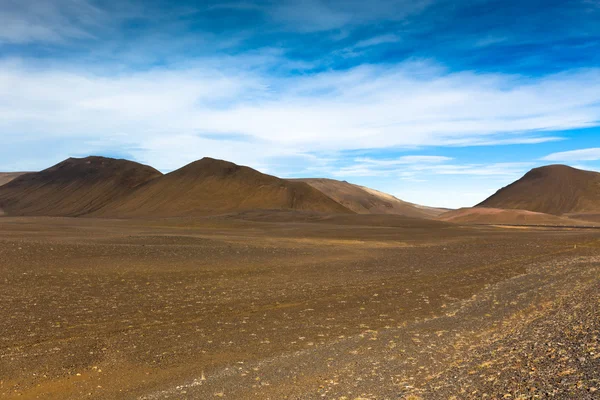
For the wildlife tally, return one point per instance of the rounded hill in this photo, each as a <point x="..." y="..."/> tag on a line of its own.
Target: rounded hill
<point x="76" y="186"/>
<point x="554" y="189"/>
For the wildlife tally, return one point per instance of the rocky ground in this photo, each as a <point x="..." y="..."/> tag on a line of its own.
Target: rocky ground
<point x="211" y="308"/>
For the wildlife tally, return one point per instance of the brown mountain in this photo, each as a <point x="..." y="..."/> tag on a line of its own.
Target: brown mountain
<point x="363" y="200"/>
<point x="210" y="186"/>
<point x="554" y="189"/>
<point x="6" y="177"/>
<point x="74" y="187"/>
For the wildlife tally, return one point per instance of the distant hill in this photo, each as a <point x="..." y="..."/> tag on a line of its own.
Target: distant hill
<point x="76" y="186"/>
<point x="6" y="177"/>
<point x="210" y="186"/>
<point x="497" y="216"/>
<point x="363" y="200"/>
<point x="554" y="189"/>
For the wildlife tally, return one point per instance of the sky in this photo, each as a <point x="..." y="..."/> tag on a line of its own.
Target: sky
<point x="438" y="102"/>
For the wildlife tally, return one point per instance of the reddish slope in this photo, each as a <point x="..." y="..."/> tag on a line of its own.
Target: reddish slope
<point x="364" y="200"/>
<point x="555" y="189"/>
<point x="210" y="186"/>
<point x="492" y="216"/>
<point x="76" y="186"/>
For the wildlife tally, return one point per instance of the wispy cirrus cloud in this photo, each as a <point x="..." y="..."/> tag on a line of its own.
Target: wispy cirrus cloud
<point x="418" y="167"/>
<point x="323" y="15"/>
<point x="591" y="154"/>
<point x="54" y="21"/>
<point x="377" y="40"/>
<point x="413" y="104"/>
<point x="403" y="160"/>
<point x="507" y="169"/>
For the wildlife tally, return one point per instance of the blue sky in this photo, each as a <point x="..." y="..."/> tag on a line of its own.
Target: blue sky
<point x="436" y="102"/>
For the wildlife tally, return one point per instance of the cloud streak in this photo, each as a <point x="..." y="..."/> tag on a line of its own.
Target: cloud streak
<point x="418" y="167"/>
<point x="377" y="40"/>
<point x="592" y="154"/>
<point x="53" y="21"/>
<point x="413" y="104"/>
<point x="324" y="15"/>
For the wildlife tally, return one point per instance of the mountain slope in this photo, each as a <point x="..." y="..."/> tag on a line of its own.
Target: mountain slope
<point x="554" y="189"/>
<point x="74" y="187"/>
<point x="210" y="186"/>
<point x="6" y="177"/>
<point x="363" y="200"/>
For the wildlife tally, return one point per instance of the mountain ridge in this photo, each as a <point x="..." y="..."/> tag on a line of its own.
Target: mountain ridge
<point x="208" y="186"/>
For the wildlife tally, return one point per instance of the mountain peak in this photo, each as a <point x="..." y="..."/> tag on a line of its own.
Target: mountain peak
<point x="553" y="189"/>
<point x="74" y="186"/>
<point x="554" y="170"/>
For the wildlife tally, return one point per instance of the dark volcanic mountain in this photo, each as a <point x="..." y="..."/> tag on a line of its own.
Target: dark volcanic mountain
<point x="554" y="189"/>
<point x="363" y="200"/>
<point x="210" y="186"/>
<point x="74" y="187"/>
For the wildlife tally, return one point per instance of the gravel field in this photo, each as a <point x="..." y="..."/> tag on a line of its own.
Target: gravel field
<point x="241" y="308"/>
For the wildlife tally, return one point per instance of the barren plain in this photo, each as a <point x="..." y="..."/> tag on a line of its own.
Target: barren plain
<point x="294" y="306"/>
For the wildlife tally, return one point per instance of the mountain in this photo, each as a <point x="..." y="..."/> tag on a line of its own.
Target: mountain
<point x="554" y="189"/>
<point x="210" y="186"/>
<point x="76" y="186"/>
<point x="363" y="200"/>
<point x="6" y="177"/>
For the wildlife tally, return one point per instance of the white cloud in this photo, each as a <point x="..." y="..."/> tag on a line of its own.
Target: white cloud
<point x="360" y="47"/>
<point x="413" y="104"/>
<point x="420" y="167"/>
<point x="404" y="160"/>
<point x="377" y="40"/>
<point x="592" y="154"/>
<point x="381" y="107"/>
<point x="490" y="40"/>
